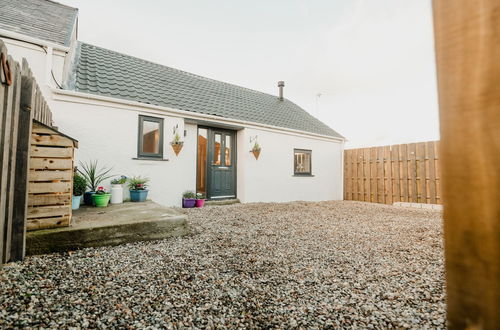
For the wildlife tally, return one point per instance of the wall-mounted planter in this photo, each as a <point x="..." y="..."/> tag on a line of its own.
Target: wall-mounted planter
<point x="177" y="147"/>
<point x="256" y="153"/>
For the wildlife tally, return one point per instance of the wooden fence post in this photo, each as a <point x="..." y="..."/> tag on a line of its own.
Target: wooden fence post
<point x="18" y="249"/>
<point x="6" y="135"/>
<point x="467" y="36"/>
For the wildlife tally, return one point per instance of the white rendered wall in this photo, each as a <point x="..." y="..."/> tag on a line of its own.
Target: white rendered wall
<point x="109" y="135"/>
<point x="271" y="177"/>
<point x="39" y="62"/>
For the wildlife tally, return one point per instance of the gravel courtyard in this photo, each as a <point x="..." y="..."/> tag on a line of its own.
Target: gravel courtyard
<point x="313" y="265"/>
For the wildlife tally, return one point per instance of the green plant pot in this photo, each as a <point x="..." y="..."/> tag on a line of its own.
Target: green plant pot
<point x="101" y="200"/>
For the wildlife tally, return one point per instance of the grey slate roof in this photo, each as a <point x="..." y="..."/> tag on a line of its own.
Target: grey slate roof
<point x="42" y="19"/>
<point x="104" y="72"/>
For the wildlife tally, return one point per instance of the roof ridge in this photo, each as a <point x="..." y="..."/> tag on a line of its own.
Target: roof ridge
<point x="185" y="72"/>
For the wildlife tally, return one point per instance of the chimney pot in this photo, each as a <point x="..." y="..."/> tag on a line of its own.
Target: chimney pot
<point x="281" y="84"/>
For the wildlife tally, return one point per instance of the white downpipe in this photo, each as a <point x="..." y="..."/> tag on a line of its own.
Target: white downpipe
<point x="48" y="66"/>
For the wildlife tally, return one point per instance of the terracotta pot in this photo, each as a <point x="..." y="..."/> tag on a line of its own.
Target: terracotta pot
<point x="256" y="153"/>
<point x="177" y="147"/>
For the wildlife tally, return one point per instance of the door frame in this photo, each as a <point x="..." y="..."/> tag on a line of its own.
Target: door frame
<point x="208" y="164"/>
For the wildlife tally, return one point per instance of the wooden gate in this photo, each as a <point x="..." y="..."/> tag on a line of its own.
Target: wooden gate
<point x="398" y="173"/>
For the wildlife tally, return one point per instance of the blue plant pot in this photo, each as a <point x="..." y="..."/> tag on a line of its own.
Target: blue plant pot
<point x="138" y="195"/>
<point x="87" y="198"/>
<point x="75" y="202"/>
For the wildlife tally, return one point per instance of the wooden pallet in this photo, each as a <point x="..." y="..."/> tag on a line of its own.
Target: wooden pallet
<point x="50" y="178"/>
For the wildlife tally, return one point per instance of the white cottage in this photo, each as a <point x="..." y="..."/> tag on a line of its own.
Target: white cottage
<point x="126" y="113"/>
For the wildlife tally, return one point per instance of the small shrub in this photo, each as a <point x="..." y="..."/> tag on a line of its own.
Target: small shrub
<point x="79" y="185"/>
<point x="93" y="174"/>
<point x="189" y="194"/>
<point x="120" y="180"/>
<point x="137" y="183"/>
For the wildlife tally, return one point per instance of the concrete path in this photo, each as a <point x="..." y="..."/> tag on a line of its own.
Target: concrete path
<point x="113" y="225"/>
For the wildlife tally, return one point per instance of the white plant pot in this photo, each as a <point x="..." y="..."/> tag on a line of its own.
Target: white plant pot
<point x="116" y="194"/>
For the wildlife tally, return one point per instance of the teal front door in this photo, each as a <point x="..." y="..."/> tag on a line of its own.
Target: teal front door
<point x="221" y="164"/>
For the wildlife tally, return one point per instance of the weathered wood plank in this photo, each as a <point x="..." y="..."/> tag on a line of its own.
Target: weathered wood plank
<point x="355" y="185"/>
<point x="388" y="185"/>
<point x="421" y="173"/>
<point x="49" y="187"/>
<point x="51" y="140"/>
<point x="373" y="175"/>
<point x="50" y="175"/>
<point x="14" y="130"/>
<point x="47" y="223"/>
<point x="49" y="199"/>
<point x="51" y="164"/>
<point x="8" y="111"/>
<point x="432" y="172"/>
<point x="52" y="152"/>
<point x="48" y="211"/>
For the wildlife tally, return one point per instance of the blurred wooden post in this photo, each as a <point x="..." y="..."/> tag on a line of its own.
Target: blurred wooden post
<point x="467" y="35"/>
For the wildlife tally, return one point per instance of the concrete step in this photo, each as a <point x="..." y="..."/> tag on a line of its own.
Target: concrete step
<point x="112" y="225"/>
<point x="216" y="202"/>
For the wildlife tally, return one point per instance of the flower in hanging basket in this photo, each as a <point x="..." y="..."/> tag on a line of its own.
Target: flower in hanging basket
<point x="256" y="150"/>
<point x="177" y="144"/>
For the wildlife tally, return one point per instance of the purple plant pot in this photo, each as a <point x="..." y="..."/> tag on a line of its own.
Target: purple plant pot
<point x="200" y="202"/>
<point x="188" y="203"/>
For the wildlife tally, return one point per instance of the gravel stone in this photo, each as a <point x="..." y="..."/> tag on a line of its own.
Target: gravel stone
<point x="273" y="265"/>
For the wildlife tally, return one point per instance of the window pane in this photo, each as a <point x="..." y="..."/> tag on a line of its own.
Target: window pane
<point x="150" y="137"/>
<point x="228" y="150"/>
<point x="202" y="161"/>
<point x="217" y="141"/>
<point x="302" y="162"/>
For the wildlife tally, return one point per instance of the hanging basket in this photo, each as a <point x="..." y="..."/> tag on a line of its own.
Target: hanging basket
<point x="177" y="147"/>
<point x="256" y="153"/>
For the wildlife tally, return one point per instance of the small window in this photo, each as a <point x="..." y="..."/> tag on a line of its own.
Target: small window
<point x="217" y="151"/>
<point x="150" y="137"/>
<point x="228" y="150"/>
<point x="302" y="162"/>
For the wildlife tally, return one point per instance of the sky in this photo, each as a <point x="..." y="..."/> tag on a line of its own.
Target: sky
<point x="364" y="67"/>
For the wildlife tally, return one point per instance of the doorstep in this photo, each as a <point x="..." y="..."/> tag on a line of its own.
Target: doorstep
<point x="222" y="202"/>
<point x="112" y="225"/>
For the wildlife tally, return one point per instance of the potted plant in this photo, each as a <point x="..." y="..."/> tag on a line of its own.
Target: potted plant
<point x="188" y="199"/>
<point x="138" y="188"/>
<point x="101" y="197"/>
<point x="117" y="189"/>
<point x="176" y="142"/>
<point x="200" y="200"/>
<point x="256" y="150"/>
<point x="79" y="187"/>
<point x="94" y="176"/>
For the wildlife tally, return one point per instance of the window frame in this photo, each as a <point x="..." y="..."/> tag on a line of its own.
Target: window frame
<point x="140" y="138"/>
<point x="303" y="151"/>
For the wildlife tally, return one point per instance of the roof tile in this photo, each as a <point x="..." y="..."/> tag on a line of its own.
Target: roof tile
<point x="109" y="73"/>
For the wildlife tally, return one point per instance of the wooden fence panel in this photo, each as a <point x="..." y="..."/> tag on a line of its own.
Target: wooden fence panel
<point x="20" y="100"/>
<point x="388" y="174"/>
